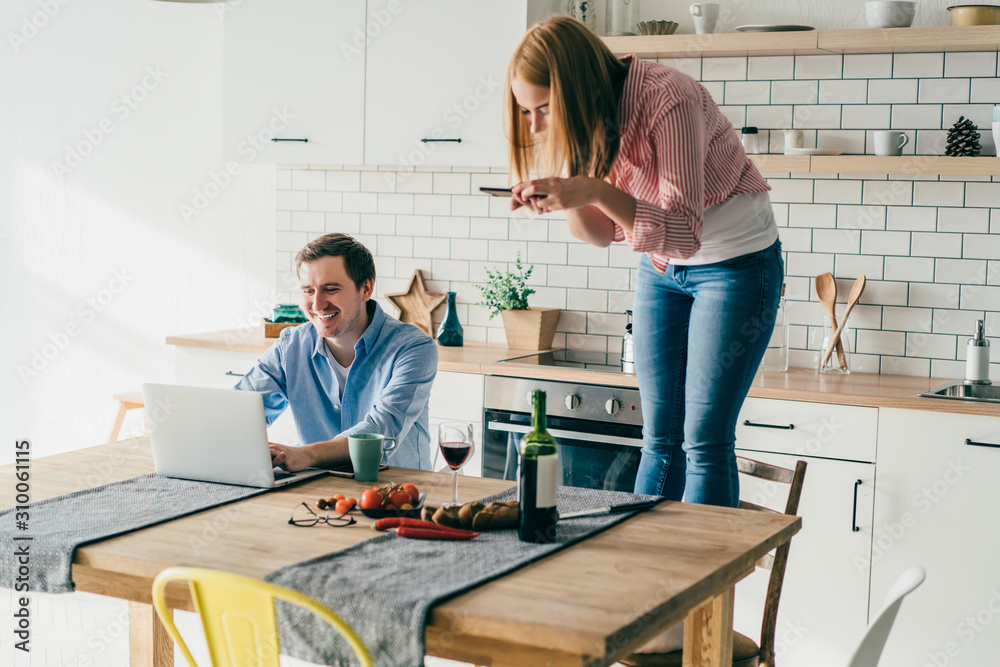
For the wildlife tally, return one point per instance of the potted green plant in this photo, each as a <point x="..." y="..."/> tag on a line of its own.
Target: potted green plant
<point x="506" y="293"/>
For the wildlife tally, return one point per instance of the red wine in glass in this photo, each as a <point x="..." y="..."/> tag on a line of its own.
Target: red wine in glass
<point x="455" y="444"/>
<point x="455" y="453"/>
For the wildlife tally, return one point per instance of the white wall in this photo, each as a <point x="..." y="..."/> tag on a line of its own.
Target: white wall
<point x="99" y="264"/>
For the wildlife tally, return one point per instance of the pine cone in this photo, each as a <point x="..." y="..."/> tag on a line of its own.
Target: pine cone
<point x="963" y="139"/>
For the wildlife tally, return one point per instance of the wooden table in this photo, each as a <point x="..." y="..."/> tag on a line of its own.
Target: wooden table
<point x="586" y="605"/>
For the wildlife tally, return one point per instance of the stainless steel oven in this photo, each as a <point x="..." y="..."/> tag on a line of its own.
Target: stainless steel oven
<point x="599" y="429"/>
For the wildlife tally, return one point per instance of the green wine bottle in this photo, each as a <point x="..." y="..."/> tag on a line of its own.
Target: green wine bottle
<point x="538" y="479"/>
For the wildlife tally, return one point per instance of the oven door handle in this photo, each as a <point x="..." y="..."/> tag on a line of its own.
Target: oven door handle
<point x="571" y="435"/>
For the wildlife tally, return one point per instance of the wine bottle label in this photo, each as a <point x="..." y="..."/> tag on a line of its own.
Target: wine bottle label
<point x="548" y="478"/>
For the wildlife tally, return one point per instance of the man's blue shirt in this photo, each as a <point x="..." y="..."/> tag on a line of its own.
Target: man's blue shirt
<point x="387" y="387"/>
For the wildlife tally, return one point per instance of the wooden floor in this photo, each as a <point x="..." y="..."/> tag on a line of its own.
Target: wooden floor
<point x="85" y="630"/>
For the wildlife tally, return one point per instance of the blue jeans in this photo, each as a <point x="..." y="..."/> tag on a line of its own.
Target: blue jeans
<point x="699" y="333"/>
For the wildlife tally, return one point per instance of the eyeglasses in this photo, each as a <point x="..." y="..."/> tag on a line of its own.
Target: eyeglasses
<point x="304" y="517"/>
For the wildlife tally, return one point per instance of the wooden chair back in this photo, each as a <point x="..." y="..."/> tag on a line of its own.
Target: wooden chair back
<point x="776" y="563"/>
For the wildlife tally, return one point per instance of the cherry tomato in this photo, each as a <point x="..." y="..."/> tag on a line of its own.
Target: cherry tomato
<point x="390" y="506"/>
<point x="399" y="498"/>
<point x="338" y="496"/>
<point x="345" y="506"/>
<point x="371" y="499"/>
<point x="412" y="490"/>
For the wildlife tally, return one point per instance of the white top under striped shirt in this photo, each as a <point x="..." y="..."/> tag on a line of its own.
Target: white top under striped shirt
<point x="699" y="197"/>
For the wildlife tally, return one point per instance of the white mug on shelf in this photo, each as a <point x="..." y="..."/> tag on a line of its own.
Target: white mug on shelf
<point x="705" y="15"/>
<point x="890" y="142"/>
<point x="794" y="139"/>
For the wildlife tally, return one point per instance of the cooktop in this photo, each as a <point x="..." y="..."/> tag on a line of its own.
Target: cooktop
<point x="591" y="361"/>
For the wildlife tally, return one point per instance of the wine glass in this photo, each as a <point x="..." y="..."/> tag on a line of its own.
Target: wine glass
<point x="456" y="445"/>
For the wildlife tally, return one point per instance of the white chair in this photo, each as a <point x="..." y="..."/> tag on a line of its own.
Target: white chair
<point x="870" y="649"/>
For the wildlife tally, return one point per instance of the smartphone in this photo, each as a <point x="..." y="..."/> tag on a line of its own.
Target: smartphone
<point x="504" y="192"/>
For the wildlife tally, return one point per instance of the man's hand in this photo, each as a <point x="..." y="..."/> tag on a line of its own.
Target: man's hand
<point x="291" y="459"/>
<point x="560" y="193"/>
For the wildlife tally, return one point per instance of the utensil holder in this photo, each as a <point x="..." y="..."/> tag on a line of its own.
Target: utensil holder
<point x="832" y="366"/>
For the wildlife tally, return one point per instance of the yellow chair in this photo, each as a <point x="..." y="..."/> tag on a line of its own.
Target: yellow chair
<point x="238" y="616"/>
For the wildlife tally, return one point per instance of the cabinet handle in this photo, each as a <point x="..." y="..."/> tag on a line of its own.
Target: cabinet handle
<point x="854" y="516"/>
<point x="426" y="141"/>
<point x="969" y="441"/>
<point x="747" y="422"/>
<point x="305" y="141"/>
<point x="235" y="375"/>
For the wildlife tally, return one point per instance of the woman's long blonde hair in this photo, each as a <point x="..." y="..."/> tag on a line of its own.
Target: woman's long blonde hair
<point x="583" y="136"/>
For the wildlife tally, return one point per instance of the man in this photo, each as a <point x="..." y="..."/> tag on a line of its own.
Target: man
<point x="351" y="370"/>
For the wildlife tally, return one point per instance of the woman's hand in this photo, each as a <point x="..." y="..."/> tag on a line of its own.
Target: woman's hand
<point x="560" y="194"/>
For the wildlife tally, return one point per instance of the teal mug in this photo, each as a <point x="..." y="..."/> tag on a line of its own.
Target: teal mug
<point x="366" y="454"/>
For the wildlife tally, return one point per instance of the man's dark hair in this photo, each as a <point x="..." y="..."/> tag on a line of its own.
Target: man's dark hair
<point x="357" y="259"/>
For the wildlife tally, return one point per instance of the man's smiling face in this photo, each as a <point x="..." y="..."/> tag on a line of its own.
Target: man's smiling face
<point x="330" y="299"/>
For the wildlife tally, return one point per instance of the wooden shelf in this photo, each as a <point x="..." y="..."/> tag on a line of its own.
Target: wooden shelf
<point x="811" y="42"/>
<point x="877" y="164"/>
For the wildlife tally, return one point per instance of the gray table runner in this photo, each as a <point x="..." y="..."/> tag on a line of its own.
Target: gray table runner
<point x="384" y="586"/>
<point x="57" y="526"/>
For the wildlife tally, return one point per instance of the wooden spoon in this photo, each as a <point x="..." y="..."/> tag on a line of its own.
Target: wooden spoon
<point x="826" y="290"/>
<point x="852" y="300"/>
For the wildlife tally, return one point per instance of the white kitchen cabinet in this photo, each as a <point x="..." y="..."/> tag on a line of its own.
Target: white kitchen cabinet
<point x="294" y="69"/>
<point x="935" y="506"/>
<point x="823" y="609"/>
<point x="436" y="71"/>
<point x="458" y="397"/>
<point x="824" y="601"/>
<point x="197" y="367"/>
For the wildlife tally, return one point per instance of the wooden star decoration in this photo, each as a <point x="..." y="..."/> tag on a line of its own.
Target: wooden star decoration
<point x="416" y="304"/>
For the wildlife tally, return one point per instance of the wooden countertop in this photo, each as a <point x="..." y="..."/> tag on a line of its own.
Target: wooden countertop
<point x="798" y="384"/>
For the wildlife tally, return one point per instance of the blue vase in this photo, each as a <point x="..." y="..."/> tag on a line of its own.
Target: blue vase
<point x="450" y="332"/>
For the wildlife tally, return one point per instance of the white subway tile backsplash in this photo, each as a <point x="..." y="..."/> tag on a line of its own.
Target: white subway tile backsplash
<point x="913" y="117"/>
<point x="837" y="240"/>
<point x="819" y="67"/>
<point x="981" y="246"/>
<point x="451" y="184"/>
<point x="979" y="297"/>
<point x="910" y="269"/>
<point x="926" y="295"/>
<point x="343" y="181"/>
<point x="748" y="92"/>
<point x="923" y="244"/>
<point x="794" y="92"/>
<point x="770" y="67"/>
<point x="843" y="91"/>
<point x="868" y="66"/>
<point x="914" y="65"/>
<point x="929" y="245"/>
<point x="865" y="116"/>
<point x="929" y="193"/>
<point x="961" y="271"/>
<point x="934" y="91"/>
<point x="970" y="63"/>
<point x="724" y="69"/>
<point x="855" y="265"/>
<point x="892" y="91"/>
<point x="874" y="242"/>
<point x="690" y="66"/>
<point x="817" y="116"/>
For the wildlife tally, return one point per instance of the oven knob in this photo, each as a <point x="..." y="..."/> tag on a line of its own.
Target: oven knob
<point x="612" y="406"/>
<point x="530" y="398"/>
<point x="572" y="402"/>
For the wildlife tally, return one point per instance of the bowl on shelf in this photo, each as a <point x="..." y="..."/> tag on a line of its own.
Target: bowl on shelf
<point x="974" y="14"/>
<point x="890" y="13"/>
<point x="657" y="27"/>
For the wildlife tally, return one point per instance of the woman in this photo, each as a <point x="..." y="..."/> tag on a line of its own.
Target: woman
<point x="636" y="151"/>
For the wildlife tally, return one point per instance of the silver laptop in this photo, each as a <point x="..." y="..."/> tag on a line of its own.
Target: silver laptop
<point x="212" y="435"/>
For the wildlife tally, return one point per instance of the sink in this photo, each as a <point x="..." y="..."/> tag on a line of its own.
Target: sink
<point x="985" y="393"/>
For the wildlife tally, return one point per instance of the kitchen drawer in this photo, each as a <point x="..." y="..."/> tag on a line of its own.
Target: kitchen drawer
<point x="816" y="429"/>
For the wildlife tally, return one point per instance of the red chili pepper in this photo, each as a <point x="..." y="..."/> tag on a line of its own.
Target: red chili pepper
<point x="387" y="523"/>
<point x="434" y="534"/>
